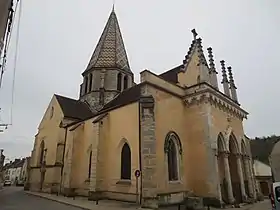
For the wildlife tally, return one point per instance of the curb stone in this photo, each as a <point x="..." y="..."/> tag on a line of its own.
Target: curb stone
<point x="55" y="200"/>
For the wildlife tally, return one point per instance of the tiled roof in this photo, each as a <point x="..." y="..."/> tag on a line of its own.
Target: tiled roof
<point x="110" y="50"/>
<point x="261" y="148"/>
<point x="171" y="75"/>
<point x="126" y="97"/>
<point x="74" y="108"/>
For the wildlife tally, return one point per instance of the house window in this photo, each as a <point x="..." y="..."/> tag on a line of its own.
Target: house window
<point x="126" y="162"/>
<point x="89" y="164"/>
<point x="125" y="82"/>
<point x="119" y="82"/>
<point x="173" y="149"/>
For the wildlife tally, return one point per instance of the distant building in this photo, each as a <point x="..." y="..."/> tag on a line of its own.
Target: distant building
<point x="16" y="171"/>
<point x="2" y="160"/>
<point x="275" y="161"/>
<point x="261" y="149"/>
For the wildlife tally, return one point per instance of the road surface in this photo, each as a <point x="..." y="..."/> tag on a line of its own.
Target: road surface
<point x="14" y="198"/>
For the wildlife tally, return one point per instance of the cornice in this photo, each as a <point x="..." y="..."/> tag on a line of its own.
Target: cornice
<point x="206" y="94"/>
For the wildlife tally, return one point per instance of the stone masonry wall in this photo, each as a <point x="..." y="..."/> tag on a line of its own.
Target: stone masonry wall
<point x="148" y="153"/>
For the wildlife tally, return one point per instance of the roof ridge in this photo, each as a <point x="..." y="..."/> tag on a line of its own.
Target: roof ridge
<point x="57" y="95"/>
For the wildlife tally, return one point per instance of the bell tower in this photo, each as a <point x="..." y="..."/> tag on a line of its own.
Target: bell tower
<point x="108" y="72"/>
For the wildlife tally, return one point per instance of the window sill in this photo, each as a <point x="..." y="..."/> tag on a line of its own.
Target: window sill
<point x="124" y="182"/>
<point x="175" y="182"/>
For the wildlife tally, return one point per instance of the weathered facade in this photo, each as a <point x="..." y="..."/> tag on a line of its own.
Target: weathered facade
<point x="183" y="133"/>
<point x="275" y="161"/>
<point x="265" y="163"/>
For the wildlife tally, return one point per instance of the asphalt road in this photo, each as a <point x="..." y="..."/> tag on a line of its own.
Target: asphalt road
<point x="14" y="198"/>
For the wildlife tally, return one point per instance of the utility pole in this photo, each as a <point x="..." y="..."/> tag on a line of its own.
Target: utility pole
<point x="2" y="160"/>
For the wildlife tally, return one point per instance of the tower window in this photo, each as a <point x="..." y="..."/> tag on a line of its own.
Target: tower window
<point x="119" y="82"/>
<point x="86" y="85"/>
<point x="126" y="162"/>
<point x="125" y="82"/>
<point x="90" y="82"/>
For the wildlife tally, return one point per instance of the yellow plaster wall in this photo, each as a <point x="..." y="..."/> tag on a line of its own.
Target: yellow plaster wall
<point x="51" y="133"/>
<point x="189" y="77"/>
<point x="120" y="126"/>
<point x="221" y="124"/>
<point x="172" y="115"/>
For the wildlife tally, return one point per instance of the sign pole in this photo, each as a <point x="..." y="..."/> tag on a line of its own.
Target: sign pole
<point x="137" y="174"/>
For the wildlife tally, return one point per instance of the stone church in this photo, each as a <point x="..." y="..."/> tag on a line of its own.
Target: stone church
<point x="183" y="134"/>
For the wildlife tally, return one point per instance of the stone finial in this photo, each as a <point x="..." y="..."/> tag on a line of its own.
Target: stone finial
<point x="224" y="73"/>
<point x="211" y="60"/>
<point x="231" y="80"/>
<point x="200" y="52"/>
<point x="225" y="80"/>
<point x="232" y="85"/>
<point x="213" y="72"/>
<point x="194" y="33"/>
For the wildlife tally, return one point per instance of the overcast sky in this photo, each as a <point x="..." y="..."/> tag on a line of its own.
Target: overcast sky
<point x="57" y="39"/>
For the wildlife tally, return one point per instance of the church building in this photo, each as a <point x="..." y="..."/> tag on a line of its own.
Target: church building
<point x="171" y="136"/>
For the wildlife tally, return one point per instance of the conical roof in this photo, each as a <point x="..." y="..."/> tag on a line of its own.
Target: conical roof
<point x="110" y="50"/>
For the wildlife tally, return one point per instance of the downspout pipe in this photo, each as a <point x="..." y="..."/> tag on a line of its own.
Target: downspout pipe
<point x="140" y="152"/>
<point x="63" y="157"/>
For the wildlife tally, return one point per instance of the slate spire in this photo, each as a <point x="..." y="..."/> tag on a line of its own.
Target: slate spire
<point x="110" y="50"/>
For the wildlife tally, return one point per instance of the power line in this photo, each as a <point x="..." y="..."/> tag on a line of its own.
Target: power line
<point x="8" y="38"/>
<point x="15" y="60"/>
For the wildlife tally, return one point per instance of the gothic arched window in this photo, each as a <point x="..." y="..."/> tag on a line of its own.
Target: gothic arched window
<point x="125" y="82"/>
<point x="173" y="149"/>
<point x="89" y="164"/>
<point x="119" y="82"/>
<point x="126" y="162"/>
<point x="90" y="82"/>
<point x="41" y="152"/>
<point x="86" y="85"/>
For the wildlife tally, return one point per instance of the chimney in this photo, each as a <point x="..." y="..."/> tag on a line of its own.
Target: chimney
<point x="232" y="85"/>
<point x="225" y="79"/>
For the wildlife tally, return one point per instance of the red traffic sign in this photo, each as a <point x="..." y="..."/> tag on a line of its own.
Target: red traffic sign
<point x="137" y="173"/>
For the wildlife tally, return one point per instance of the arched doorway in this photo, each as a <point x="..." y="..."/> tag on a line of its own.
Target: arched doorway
<point x="235" y="180"/>
<point x="221" y="167"/>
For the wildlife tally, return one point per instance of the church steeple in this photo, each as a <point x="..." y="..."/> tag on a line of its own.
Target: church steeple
<point x="110" y="50"/>
<point x="108" y="72"/>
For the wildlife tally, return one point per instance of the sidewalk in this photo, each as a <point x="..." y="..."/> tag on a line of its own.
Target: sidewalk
<point x="83" y="203"/>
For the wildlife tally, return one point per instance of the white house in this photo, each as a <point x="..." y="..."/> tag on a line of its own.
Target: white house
<point x="263" y="176"/>
<point x="14" y="171"/>
<point x="261" y="149"/>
